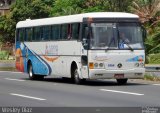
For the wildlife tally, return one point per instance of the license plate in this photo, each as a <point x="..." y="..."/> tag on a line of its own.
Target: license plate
<point x="119" y="76"/>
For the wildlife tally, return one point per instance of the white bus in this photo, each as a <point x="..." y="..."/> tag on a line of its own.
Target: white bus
<point x="101" y="45"/>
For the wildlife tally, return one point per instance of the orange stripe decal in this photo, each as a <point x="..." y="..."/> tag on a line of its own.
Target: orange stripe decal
<point x="50" y="59"/>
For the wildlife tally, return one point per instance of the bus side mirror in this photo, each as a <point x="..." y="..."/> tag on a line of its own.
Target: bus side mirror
<point x="86" y="34"/>
<point x="84" y="42"/>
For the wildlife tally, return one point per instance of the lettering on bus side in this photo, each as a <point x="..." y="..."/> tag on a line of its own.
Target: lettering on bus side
<point x="51" y="49"/>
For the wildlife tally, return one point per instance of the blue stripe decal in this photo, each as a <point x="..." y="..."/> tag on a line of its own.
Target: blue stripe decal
<point x="40" y="66"/>
<point x="49" y="68"/>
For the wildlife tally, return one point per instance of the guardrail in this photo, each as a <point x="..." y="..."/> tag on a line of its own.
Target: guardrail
<point x="152" y="68"/>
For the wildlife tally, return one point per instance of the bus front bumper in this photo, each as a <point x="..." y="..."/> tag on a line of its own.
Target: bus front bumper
<point x="116" y="74"/>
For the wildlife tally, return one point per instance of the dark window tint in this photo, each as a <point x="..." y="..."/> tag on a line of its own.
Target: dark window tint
<point x="84" y="34"/>
<point x="17" y="35"/>
<point x="28" y="34"/>
<point x="20" y="34"/>
<point x="75" y="30"/>
<point x="37" y="34"/>
<point x="46" y="32"/>
<point x="55" y="32"/>
<point x="69" y="33"/>
<point x="64" y="31"/>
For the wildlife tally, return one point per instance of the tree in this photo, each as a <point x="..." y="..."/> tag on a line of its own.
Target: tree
<point x="94" y="5"/>
<point x="149" y="13"/>
<point x="48" y="2"/>
<point x="153" y="43"/>
<point x="118" y="5"/>
<point x="66" y="7"/>
<point x="22" y="10"/>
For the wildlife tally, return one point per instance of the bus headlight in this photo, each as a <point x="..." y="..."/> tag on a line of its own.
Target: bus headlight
<point x="101" y="65"/>
<point x="96" y="65"/>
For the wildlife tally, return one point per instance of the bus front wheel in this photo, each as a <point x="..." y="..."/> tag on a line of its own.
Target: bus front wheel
<point x="122" y="81"/>
<point x="77" y="80"/>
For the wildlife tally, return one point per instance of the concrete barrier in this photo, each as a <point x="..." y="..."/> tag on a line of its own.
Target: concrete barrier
<point x="152" y="68"/>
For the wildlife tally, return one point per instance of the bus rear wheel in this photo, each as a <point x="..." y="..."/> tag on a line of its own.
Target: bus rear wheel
<point x="122" y="81"/>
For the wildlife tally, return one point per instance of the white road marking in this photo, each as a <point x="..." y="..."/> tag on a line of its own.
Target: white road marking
<point x="115" y="91"/>
<point x="14" y="79"/>
<point x="25" y="96"/>
<point x="156" y="84"/>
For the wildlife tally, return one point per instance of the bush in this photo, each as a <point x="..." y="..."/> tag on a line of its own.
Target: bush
<point x="151" y="77"/>
<point x="154" y="59"/>
<point x="4" y="55"/>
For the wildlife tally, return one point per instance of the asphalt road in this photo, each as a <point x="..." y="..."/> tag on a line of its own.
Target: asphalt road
<point x="17" y="90"/>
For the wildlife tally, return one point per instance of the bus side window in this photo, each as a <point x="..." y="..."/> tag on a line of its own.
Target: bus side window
<point x="45" y="33"/>
<point x="53" y="37"/>
<point x="28" y="34"/>
<point x="75" y="30"/>
<point x="42" y="33"/>
<point x="37" y="34"/>
<point x="64" y="31"/>
<point x="55" y="32"/>
<point x="33" y="36"/>
<point x="20" y="34"/>
<point x="69" y="31"/>
<point x="17" y="35"/>
<point x="49" y="32"/>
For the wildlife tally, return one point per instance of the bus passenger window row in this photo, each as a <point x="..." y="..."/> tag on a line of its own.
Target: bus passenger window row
<point x="50" y="32"/>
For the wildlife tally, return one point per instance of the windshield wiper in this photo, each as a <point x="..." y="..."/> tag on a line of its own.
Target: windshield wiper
<point x="127" y="43"/>
<point x="112" y="41"/>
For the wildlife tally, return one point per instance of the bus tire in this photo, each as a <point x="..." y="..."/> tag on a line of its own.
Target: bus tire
<point x="33" y="76"/>
<point x="77" y="80"/>
<point x="122" y="81"/>
<point x="30" y="72"/>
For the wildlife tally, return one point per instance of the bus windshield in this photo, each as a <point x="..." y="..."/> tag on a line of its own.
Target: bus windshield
<point x="116" y="36"/>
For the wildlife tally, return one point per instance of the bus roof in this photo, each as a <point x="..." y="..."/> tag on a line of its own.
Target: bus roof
<point x="73" y="18"/>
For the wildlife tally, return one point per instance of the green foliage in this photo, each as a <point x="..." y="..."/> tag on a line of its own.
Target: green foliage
<point x="154" y="58"/>
<point x="4" y="55"/>
<point x="148" y="11"/>
<point x="65" y="7"/>
<point x="119" y="5"/>
<point x="22" y="10"/>
<point x="151" y="77"/>
<point x="153" y="42"/>
<point x="49" y="2"/>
